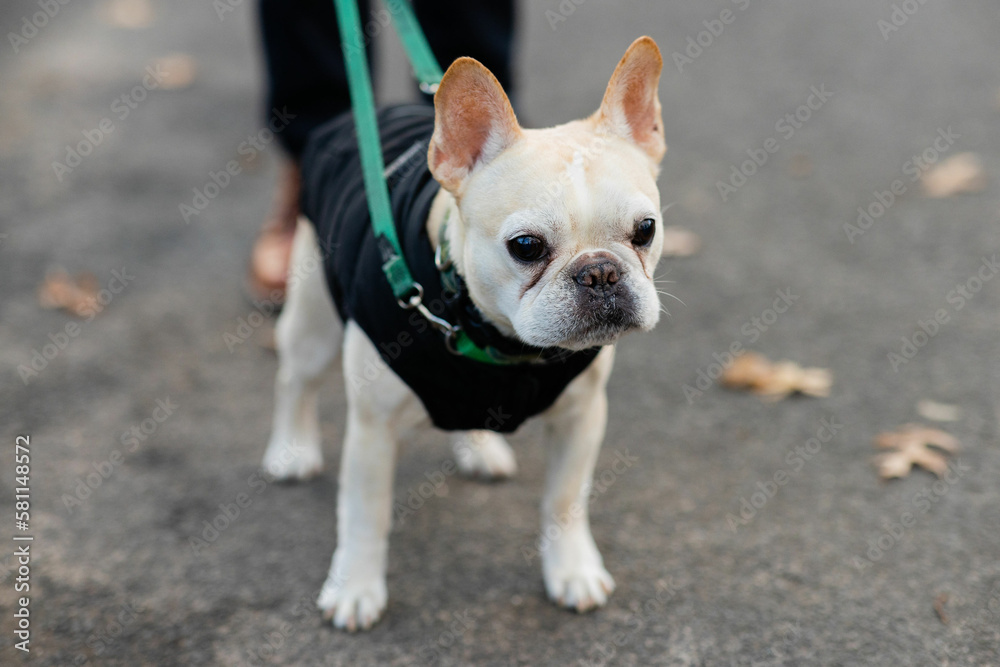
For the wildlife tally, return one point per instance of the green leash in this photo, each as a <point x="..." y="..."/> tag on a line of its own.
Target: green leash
<point x="408" y="292"/>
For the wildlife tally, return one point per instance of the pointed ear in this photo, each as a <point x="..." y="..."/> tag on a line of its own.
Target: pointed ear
<point x="631" y="108"/>
<point x="473" y="123"/>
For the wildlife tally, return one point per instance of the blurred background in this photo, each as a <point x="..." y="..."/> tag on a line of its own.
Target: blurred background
<point x="837" y="165"/>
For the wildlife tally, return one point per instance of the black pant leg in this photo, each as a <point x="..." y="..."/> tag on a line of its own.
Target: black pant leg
<point x="304" y="64"/>
<point x="483" y="29"/>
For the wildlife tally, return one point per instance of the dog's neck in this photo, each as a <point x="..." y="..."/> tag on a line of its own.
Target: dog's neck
<point x="444" y="207"/>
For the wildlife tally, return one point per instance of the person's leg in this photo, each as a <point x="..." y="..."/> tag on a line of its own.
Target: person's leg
<point x="306" y="80"/>
<point x="482" y="30"/>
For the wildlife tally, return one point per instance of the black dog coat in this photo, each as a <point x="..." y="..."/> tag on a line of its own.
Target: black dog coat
<point x="458" y="393"/>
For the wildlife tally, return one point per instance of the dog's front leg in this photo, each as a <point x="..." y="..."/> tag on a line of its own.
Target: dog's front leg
<point x="355" y="594"/>
<point x="571" y="564"/>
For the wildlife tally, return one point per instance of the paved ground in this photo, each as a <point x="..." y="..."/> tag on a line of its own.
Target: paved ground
<point x="114" y="579"/>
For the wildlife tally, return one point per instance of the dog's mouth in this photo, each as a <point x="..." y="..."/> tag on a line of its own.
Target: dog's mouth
<point x="602" y="323"/>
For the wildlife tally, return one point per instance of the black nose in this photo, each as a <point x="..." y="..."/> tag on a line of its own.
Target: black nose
<point x="598" y="275"/>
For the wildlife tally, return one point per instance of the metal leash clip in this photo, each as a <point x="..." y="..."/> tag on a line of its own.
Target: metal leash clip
<point x="416" y="301"/>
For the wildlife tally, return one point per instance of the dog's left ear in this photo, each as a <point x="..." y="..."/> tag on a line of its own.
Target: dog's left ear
<point x="631" y="108"/>
<point x="473" y="123"/>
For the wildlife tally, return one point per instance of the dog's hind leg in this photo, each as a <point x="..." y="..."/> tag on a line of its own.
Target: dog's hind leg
<point x="309" y="336"/>
<point x="483" y="454"/>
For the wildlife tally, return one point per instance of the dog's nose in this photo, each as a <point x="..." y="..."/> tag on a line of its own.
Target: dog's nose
<point x="598" y="275"/>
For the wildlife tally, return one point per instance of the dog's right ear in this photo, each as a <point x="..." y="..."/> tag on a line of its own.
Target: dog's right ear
<point x="473" y="123"/>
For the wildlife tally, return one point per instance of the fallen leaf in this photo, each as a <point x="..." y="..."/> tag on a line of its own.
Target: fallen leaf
<point x="959" y="173"/>
<point x="775" y="381"/>
<point x="75" y="295"/>
<point x="938" y="412"/>
<point x="939" y="602"/>
<point x="131" y="14"/>
<point x="680" y="242"/>
<point x="911" y="446"/>
<point x="176" y="70"/>
<point x="800" y="166"/>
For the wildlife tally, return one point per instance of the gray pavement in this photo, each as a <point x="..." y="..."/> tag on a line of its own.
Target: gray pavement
<point x="818" y="571"/>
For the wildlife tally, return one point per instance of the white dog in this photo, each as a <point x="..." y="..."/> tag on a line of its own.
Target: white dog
<point x="553" y="235"/>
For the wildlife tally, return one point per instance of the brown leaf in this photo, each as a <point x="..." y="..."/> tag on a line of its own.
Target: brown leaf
<point x="800" y="166"/>
<point x="680" y="242"/>
<point x="939" y="602"/>
<point x="131" y="14"/>
<point x="912" y="447"/>
<point x="775" y="381"/>
<point x="177" y="70"/>
<point x="75" y="295"/>
<point x="959" y="173"/>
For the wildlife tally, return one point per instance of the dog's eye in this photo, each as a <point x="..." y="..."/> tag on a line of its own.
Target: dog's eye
<point x="527" y="248"/>
<point x="644" y="232"/>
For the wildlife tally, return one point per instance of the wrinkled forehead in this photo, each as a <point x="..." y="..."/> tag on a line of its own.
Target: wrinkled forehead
<point x="563" y="175"/>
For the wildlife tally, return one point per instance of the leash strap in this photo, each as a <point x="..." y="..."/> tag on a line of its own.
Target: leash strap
<point x="352" y="42"/>
<point x="425" y="65"/>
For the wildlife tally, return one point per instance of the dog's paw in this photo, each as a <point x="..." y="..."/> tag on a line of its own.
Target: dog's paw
<point x="483" y="454"/>
<point x="353" y="604"/>
<point x="581" y="588"/>
<point x="292" y="462"/>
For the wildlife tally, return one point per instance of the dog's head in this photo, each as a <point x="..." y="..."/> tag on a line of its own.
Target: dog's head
<point x="560" y="228"/>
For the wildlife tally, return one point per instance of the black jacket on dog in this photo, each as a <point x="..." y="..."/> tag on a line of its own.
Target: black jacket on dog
<point x="458" y="393"/>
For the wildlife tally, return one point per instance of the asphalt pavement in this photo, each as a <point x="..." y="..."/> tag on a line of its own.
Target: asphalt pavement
<point x="147" y="422"/>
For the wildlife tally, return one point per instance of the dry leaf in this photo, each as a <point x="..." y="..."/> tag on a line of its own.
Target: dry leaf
<point x="938" y="412"/>
<point x="800" y="166"/>
<point x="912" y="447"/>
<point x="939" y="602"/>
<point x="128" y="13"/>
<point x="775" y="380"/>
<point x="76" y="295"/>
<point x="959" y="173"/>
<point x="680" y="242"/>
<point x="177" y="70"/>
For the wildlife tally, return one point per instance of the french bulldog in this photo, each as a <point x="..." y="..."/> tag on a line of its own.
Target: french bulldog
<point x="556" y="233"/>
